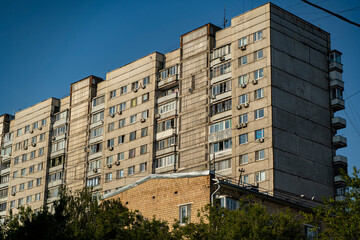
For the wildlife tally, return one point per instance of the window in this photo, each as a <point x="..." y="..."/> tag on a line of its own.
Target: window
<point x="243" y="138"/>
<point x="165" y="161"/>
<point x="243" y="159"/>
<point x="97" y="117"/>
<point x="28" y="199"/>
<point x="30" y="184"/>
<point x="109" y="160"/>
<point x="123" y="90"/>
<point x="91" y="182"/>
<point x="111" y="127"/>
<point x="122" y="123"/>
<point x="23" y="172"/>
<point x="259" y="155"/>
<point x="143" y="167"/>
<point x="112" y="94"/>
<point x="4" y="179"/>
<point x="121" y="139"/>
<point x="166" y="107"/>
<point x="55" y="176"/>
<point x="143" y="149"/>
<point x="96" y="148"/>
<point x="6" y="151"/>
<point x="243" y="99"/>
<point x="2" y="207"/>
<point x="259" y="113"/>
<point x="31" y="169"/>
<point x="112" y="110"/>
<point x="220" y="126"/>
<point x="108" y="177"/>
<point x="243" y="60"/>
<point x="15" y="174"/>
<point x="37" y="197"/>
<point x="222" y="165"/>
<point x="19" y="132"/>
<point x="26" y="143"/>
<point x="120" y="173"/>
<point x="98" y="101"/>
<point x="32" y="155"/>
<point x="258" y="36"/>
<point x="146" y="81"/>
<point x="221" y="146"/>
<point x="57" y="161"/>
<point x="131" y="170"/>
<point x="43" y="122"/>
<point x="144" y="132"/>
<point x="96" y="132"/>
<point x="4" y="193"/>
<point x="33" y="139"/>
<point x="27" y="128"/>
<point x="24" y="158"/>
<point x="221" y="69"/>
<point x="259" y="134"/>
<point x="259" y="93"/>
<point x="61" y="115"/>
<point x="336" y="93"/>
<point x="185" y="214"/>
<point x="220" y="52"/>
<point x="94" y="165"/>
<point x="258" y="54"/>
<point x="58" y="146"/>
<point x="53" y="193"/>
<point x="242" y="42"/>
<point x="38" y="181"/>
<point x="12" y="204"/>
<point x="310" y="232"/>
<point x="245" y="179"/>
<point x="40" y="166"/>
<point x="259" y="74"/>
<point x="169" y="72"/>
<point x="221" y="107"/>
<point x="165" y="143"/>
<point x="132" y="153"/>
<point x="132" y="118"/>
<point x="221" y="88"/>
<point x="145" y="114"/>
<point x="243" y="79"/>
<point x="243" y="118"/>
<point x="260" y="176"/>
<point x="17" y="146"/>
<point x="123" y="106"/>
<point x="145" y="97"/>
<point x="121" y="156"/>
<point x="16" y="160"/>
<point x="229" y="203"/>
<point x="20" y="201"/>
<point x="133" y="102"/>
<point x="22" y="187"/>
<point x="110" y="143"/>
<point x="165" y="125"/>
<point x="35" y="125"/>
<point x="42" y="137"/>
<point x="134" y="85"/>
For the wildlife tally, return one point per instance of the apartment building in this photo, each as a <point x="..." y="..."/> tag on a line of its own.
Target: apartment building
<point x="254" y="102"/>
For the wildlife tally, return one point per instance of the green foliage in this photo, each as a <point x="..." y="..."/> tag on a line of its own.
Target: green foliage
<point x="340" y="219"/>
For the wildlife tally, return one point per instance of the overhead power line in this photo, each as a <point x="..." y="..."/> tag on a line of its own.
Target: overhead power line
<point x="332" y="13"/>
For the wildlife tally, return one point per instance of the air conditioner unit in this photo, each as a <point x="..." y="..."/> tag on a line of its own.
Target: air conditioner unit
<point x="246" y="105"/>
<point x="25" y="147"/>
<point x="135" y="89"/>
<point x="112" y="115"/>
<point x="109" y="165"/>
<point x="261" y="140"/>
<point x="143" y="120"/>
<point x="120" y="112"/>
<point x="238" y="107"/>
<point x="95" y="170"/>
<point x="190" y="90"/>
<point x="40" y="128"/>
<point x="53" y="138"/>
<point x="254" y="82"/>
<point x="111" y="148"/>
<point x="243" y="47"/>
<point x="244" y="124"/>
<point x="102" y="121"/>
<point x="213" y="97"/>
<point x="33" y="144"/>
<point x="86" y="149"/>
<point x="13" y="193"/>
<point x="31" y="131"/>
<point x="117" y="163"/>
<point x="222" y="58"/>
<point x="243" y="85"/>
<point x="143" y="86"/>
<point x="10" y="154"/>
<point x="157" y="115"/>
<point x="239" y="126"/>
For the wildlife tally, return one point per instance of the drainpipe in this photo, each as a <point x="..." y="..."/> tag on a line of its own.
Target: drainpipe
<point x="212" y="195"/>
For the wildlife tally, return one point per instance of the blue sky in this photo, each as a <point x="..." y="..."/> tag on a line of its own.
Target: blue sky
<point x="47" y="45"/>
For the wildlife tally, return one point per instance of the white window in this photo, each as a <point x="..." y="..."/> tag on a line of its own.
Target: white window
<point x="259" y="155"/>
<point x="259" y="93"/>
<point x="259" y="113"/>
<point x="40" y="166"/>
<point x="91" y="182"/>
<point x="43" y="122"/>
<point x="143" y="149"/>
<point x="221" y="146"/>
<point x="165" y="143"/>
<point x="166" y="107"/>
<point x="220" y="52"/>
<point x="19" y="132"/>
<point x="242" y="42"/>
<point x="133" y="118"/>
<point x="221" y="107"/>
<point x="61" y="115"/>
<point x="122" y="106"/>
<point x="221" y="69"/>
<point x="98" y="101"/>
<point x="220" y="126"/>
<point x="258" y="54"/>
<point x="221" y="88"/>
<point x="260" y="176"/>
<point x="59" y="131"/>
<point x="35" y="125"/>
<point x="243" y="118"/>
<point x="112" y="110"/>
<point x="145" y="97"/>
<point x="145" y="114"/>
<point x="27" y="128"/>
<point x="143" y="167"/>
<point x="30" y="184"/>
<point x="135" y="85"/>
<point x="259" y="134"/>
<point x="243" y="79"/>
<point x="258" y="36"/>
<point x="259" y="74"/>
<point x="222" y="165"/>
<point x="20" y="201"/>
<point x="58" y="146"/>
<point x="23" y="172"/>
<point x="243" y="138"/>
<point x="96" y="132"/>
<point x="112" y="94"/>
<point x="98" y="117"/>
<point x="37" y="197"/>
<point x="38" y="181"/>
<point x="165" y="161"/>
<point x="243" y="159"/>
<point x="185" y="214"/>
<point x="42" y="137"/>
<point x="243" y="99"/>
<point x="243" y="60"/>
<point x="32" y="155"/>
<point x="229" y="203"/>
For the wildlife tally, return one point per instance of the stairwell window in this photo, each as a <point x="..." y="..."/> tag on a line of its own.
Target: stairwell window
<point x="259" y="134"/>
<point x="258" y="35"/>
<point x="259" y="74"/>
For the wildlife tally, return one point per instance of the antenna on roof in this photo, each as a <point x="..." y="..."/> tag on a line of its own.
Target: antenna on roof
<point x="225" y="20"/>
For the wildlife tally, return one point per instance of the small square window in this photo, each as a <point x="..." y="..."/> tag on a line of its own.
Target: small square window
<point x="120" y="156"/>
<point x="122" y="123"/>
<point x="121" y="139"/>
<point x="123" y="90"/>
<point x="243" y="60"/>
<point x="258" y="54"/>
<point x="242" y="42"/>
<point x="258" y="35"/>
<point x="120" y="173"/>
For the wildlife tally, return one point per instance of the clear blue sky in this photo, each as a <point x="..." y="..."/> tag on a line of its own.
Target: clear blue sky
<point x="47" y="45"/>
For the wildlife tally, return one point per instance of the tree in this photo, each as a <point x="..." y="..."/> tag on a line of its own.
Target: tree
<point x="249" y="221"/>
<point x="340" y="219"/>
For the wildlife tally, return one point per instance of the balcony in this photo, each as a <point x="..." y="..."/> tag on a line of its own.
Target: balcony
<point x="5" y="171"/>
<point x="98" y="107"/>
<point x="60" y="122"/>
<point x="338" y="179"/>
<point x="218" y="136"/>
<point x="338" y="123"/>
<point x="59" y="137"/>
<point x="337" y="104"/>
<point x="220" y="59"/>
<point x="340" y="159"/>
<point x="167" y="98"/>
<point x="220" y="78"/>
<point x="335" y="66"/>
<point x="93" y="173"/>
<point x="7" y="143"/>
<point x="336" y="82"/>
<point x="220" y="154"/>
<point x="220" y="115"/>
<point x="173" y="80"/>
<point x="165" y="134"/>
<point x="96" y="124"/>
<point x="6" y="158"/>
<point x="4" y="185"/>
<point x="95" y="155"/>
<point x="167" y="150"/>
<point x="96" y="139"/>
<point x="55" y="183"/>
<point x="220" y="96"/>
<point x="56" y="168"/>
<point x="339" y="141"/>
<point x="168" y="114"/>
<point x="57" y="153"/>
